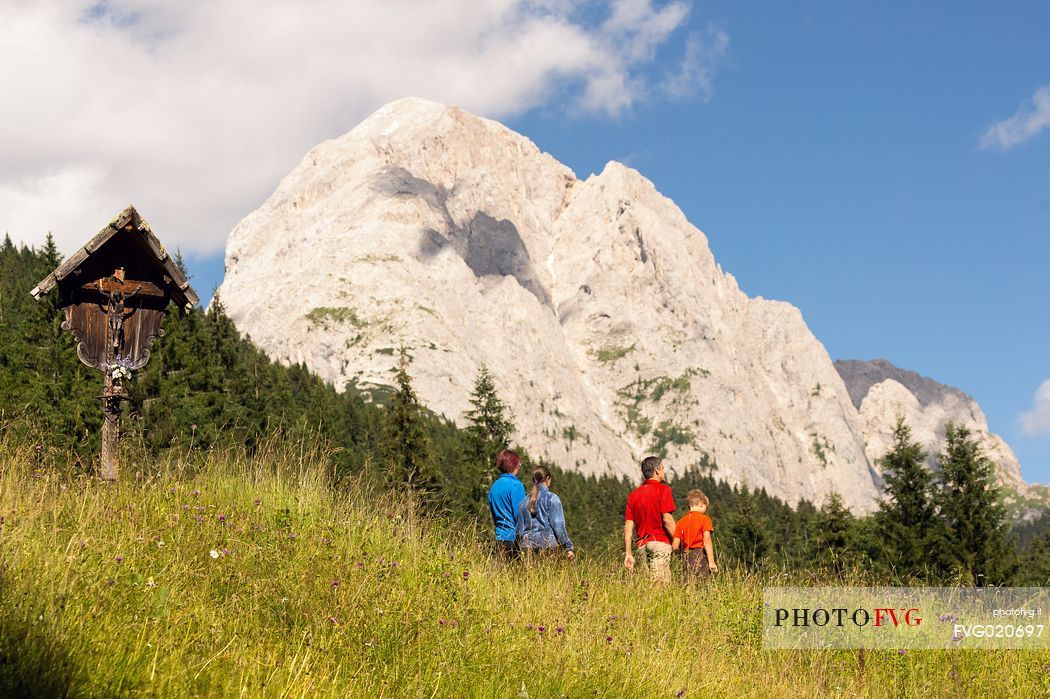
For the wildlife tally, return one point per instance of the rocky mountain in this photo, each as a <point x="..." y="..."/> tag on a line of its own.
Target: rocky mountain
<point x="599" y="309"/>
<point x="881" y="391"/>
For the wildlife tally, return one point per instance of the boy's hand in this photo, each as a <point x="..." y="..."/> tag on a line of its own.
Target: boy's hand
<point x="628" y="561"/>
<point x="713" y="567"/>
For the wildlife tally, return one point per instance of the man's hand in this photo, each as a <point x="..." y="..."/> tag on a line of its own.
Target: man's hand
<point x="628" y="561"/>
<point x="570" y="555"/>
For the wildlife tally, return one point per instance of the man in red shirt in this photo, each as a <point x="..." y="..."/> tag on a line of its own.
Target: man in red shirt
<point x="649" y="510"/>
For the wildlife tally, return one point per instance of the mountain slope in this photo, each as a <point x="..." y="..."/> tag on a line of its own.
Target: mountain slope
<point x="609" y="328"/>
<point x="882" y="391"/>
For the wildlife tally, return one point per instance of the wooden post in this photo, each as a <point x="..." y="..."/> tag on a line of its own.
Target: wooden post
<point x="110" y="431"/>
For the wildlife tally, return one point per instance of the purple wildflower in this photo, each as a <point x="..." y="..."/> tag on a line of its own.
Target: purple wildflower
<point x="466" y="574"/>
<point x="120" y="559"/>
<point x="560" y="629"/>
<point x="258" y="502"/>
<point x="541" y="628"/>
<point x="220" y="517"/>
<point x="441" y="622"/>
<point x="196" y="493"/>
<point x="608" y="639"/>
<point x="902" y="651"/>
<point x="335" y="583"/>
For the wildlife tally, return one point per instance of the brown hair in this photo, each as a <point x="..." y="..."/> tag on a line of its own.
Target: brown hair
<point x="508" y="461"/>
<point x="649" y="466"/>
<point x="697" y="497"/>
<point x="539" y="475"/>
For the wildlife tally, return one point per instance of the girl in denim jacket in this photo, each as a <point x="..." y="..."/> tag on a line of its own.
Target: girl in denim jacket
<point x="541" y="519"/>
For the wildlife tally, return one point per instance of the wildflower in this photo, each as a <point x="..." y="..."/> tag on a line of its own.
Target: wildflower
<point x="902" y="651"/>
<point x="393" y="564"/>
<point x="560" y="629"/>
<point x="225" y="552"/>
<point x="541" y="628"/>
<point x="333" y="620"/>
<point x="680" y="693"/>
<point x="360" y="565"/>
<point x="614" y="617"/>
<point x="445" y="574"/>
<point x="528" y="627"/>
<point x="455" y="623"/>
<point x="119" y="559"/>
<point x="441" y="622"/>
<point x="220" y="517"/>
<point x="258" y="502"/>
<point x="196" y="493"/>
<point x="466" y="574"/>
<point x="213" y="553"/>
<point x="292" y="536"/>
<point x="608" y="639"/>
<point x="150" y="583"/>
<point x="160" y="543"/>
<point x="335" y="583"/>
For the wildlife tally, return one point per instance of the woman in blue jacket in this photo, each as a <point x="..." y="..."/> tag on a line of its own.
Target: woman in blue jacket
<point x="541" y="519"/>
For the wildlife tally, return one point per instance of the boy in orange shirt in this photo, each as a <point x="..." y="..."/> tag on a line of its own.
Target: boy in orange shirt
<point x="693" y="536"/>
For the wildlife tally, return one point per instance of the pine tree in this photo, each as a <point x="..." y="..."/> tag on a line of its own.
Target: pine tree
<point x="834" y="525"/>
<point x="408" y="444"/>
<point x="974" y="518"/>
<point x="748" y="538"/>
<point x="489" y="432"/>
<point x="906" y="525"/>
<point x="1035" y="563"/>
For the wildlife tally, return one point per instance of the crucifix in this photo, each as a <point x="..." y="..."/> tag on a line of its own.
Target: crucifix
<point x="115" y="292"/>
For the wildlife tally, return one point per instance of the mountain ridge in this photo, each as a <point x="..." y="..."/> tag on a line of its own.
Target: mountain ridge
<point x="608" y="326"/>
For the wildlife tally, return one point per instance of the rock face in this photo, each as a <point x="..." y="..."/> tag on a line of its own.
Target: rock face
<point x="882" y="391"/>
<point x="608" y="327"/>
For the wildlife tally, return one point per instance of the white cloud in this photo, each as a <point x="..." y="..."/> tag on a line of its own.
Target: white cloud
<point x="1029" y="120"/>
<point x="1036" y="421"/>
<point x="194" y="110"/>
<point x="695" y="75"/>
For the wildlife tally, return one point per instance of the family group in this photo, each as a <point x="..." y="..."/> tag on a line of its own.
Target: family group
<point x="534" y="523"/>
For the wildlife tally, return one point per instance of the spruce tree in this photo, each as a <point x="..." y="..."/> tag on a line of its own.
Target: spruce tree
<point x="408" y="444"/>
<point x="971" y="511"/>
<point x="906" y="525"/>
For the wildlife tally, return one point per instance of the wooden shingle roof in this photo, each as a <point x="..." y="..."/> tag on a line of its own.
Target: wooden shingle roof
<point x="128" y="220"/>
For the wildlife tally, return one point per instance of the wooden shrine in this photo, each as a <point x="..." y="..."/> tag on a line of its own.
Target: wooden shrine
<point x="115" y="292"/>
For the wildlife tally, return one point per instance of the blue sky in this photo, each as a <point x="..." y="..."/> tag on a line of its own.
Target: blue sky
<point x="840" y="156"/>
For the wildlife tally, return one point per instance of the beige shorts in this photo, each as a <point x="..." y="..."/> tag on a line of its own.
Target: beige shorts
<point x="657" y="556"/>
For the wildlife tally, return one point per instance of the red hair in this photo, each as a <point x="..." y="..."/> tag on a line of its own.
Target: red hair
<point x="508" y="461"/>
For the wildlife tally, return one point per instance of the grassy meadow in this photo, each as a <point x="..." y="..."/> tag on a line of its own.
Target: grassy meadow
<point x="216" y="575"/>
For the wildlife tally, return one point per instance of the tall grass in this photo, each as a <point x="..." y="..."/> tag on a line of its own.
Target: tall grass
<point x="218" y="575"/>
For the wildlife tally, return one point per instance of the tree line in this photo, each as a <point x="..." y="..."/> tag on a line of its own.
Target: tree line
<point x="207" y="387"/>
